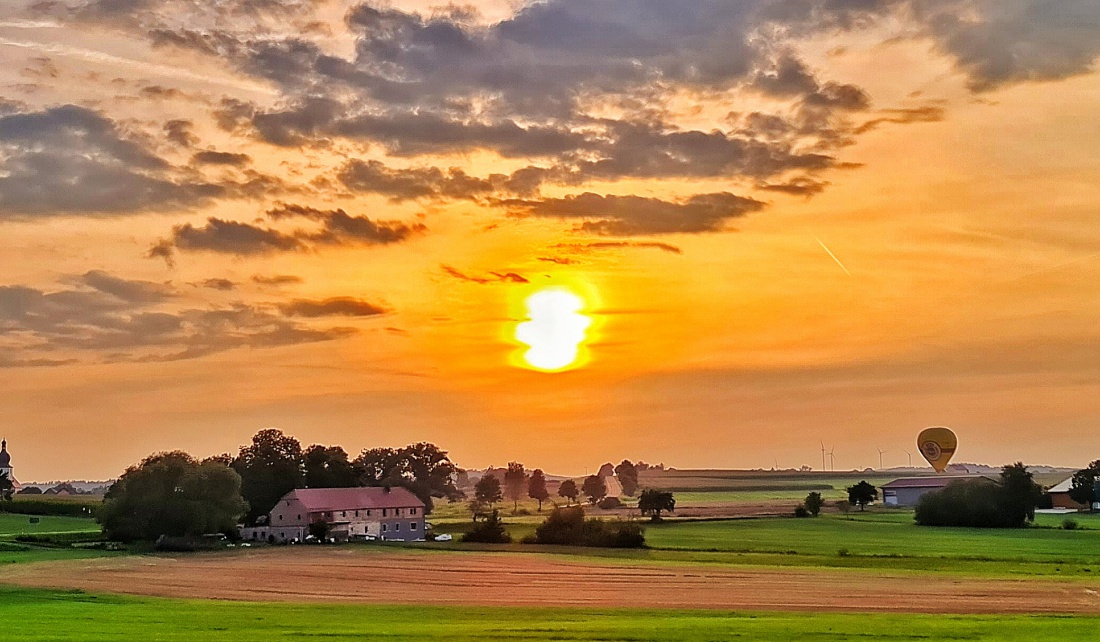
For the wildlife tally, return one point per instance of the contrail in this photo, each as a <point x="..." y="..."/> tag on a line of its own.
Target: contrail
<point x="148" y="67"/>
<point x="824" y="247"/>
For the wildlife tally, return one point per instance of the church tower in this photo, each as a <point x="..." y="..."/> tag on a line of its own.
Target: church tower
<point x="5" y="461"/>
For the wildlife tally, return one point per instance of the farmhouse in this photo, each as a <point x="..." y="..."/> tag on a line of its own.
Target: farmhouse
<point x="351" y="513"/>
<point x="1059" y="496"/>
<point x="907" y="491"/>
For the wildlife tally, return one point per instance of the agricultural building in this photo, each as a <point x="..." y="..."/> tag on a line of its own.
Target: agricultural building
<point x="351" y="513"/>
<point x="907" y="491"/>
<point x="1059" y="496"/>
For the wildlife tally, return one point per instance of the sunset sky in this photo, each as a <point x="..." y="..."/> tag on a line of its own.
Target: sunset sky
<point x="788" y="221"/>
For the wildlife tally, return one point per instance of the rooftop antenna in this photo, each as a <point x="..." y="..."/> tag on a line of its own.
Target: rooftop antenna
<point x="881" y="452"/>
<point x="910" y="457"/>
<point x="832" y="458"/>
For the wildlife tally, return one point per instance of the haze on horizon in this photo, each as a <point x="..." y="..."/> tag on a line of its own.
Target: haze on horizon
<point x="788" y="221"/>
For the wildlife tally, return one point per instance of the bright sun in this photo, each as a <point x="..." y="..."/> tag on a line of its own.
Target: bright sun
<point x="555" y="329"/>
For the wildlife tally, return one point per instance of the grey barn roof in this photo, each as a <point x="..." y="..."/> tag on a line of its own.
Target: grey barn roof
<point x="931" y="482"/>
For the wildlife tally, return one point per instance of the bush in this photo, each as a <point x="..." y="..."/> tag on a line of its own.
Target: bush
<point x="1069" y="524"/>
<point x="490" y="531"/>
<point x="609" y="503"/>
<point x="801" y="512"/>
<point x="63" y="540"/>
<point x="56" y="508"/>
<point x="187" y="544"/>
<point x="568" y="527"/>
<point x="983" y="503"/>
<point x="972" y="504"/>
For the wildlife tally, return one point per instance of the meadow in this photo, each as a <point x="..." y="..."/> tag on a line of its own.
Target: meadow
<point x="79" y="616"/>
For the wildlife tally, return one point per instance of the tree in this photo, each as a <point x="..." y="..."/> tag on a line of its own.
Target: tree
<point x="1083" y="489"/>
<point x="813" y="503"/>
<point x="487" y="491"/>
<point x="270" y="467"/>
<point x="172" y="494"/>
<point x="490" y="531"/>
<point x="653" y="502"/>
<point x="328" y="467"/>
<point x="515" y="482"/>
<point x="862" y="494"/>
<point x="423" y="468"/>
<point x="568" y="491"/>
<point x="628" y="477"/>
<point x="1019" y="494"/>
<point x="594" y="488"/>
<point x="536" y="487"/>
<point x="6" y="487"/>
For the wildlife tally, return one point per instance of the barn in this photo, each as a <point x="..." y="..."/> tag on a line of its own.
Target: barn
<point x="907" y="491"/>
<point x="351" y="513"/>
<point x="1059" y="496"/>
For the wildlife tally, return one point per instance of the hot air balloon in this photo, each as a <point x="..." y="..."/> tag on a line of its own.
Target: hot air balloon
<point x="938" y="445"/>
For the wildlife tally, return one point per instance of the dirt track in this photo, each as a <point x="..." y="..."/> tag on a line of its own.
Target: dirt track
<point x="357" y="575"/>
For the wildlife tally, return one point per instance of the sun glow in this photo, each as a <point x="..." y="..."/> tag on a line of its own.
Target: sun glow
<point x="555" y="330"/>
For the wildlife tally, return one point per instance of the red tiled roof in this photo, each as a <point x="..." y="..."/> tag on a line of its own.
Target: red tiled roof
<point x="327" y="499"/>
<point x="931" y="482"/>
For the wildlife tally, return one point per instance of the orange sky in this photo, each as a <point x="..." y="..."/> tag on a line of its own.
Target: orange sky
<point x="350" y="290"/>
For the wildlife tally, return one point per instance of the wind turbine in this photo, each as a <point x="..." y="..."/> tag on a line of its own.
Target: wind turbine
<point x="910" y="457"/>
<point x="823" y="456"/>
<point x="832" y="459"/>
<point x="881" y="452"/>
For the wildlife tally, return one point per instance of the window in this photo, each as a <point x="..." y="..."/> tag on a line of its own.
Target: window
<point x="383" y="512"/>
<point x="299" y="516"/>
<point x="397" y="527"/>
<point x="412" y="511"/>
<point x="383" y="528"/>
<point x="280" y="517"/>
<point x="412" y="526"/>
<point x="357" y="513"/>
<point x="368" y="512"/>
<point x="343" y="513"/>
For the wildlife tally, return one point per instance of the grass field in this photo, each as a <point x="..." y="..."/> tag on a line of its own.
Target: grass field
<point x="73" y="615"/>
<point x="881" y="535"/>
<point x="12" y="524"/>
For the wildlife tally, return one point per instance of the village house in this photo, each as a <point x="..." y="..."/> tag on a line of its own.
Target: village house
<point x="351" y="513"/>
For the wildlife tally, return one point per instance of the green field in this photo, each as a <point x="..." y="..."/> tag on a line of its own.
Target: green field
<point x="73" y="615"/>
<point x="12" y="524"/>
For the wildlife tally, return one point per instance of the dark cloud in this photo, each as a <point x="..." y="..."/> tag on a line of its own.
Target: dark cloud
<point x="223" y="285"/>
<point x="336" y="228"/>
<point x="72" y="160"/>
<point x="180" y="133"/>
<point x="801" y="186"/>
<point x="103" y="317"/>
<point x="926" y="114"/>
<point x="277" y="279"/>
<point x="210" y="157"/>
<point x="614" y="245"/>
<point x="334" y="307"/>
<point x="493" y="277"/>
<point x="636" y="215"/>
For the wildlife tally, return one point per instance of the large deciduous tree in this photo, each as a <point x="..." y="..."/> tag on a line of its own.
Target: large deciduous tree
<point x="628" y="477"/>
<point x="594" y="488"/>
<point x="328" y="467"/>
<point x="1083" y="488"/>
<point x="515" y="482"/>
<point x="487" y="491"/>
<point x="270" y="467"/>
<point x="568" y="490"/>
<point x="654" y="502"/>
<point x="1019" y="494"/>
<point x="536" y="487"/>
<point x="172" y="494"/>
<point x="423" y="468"/>
<point x="862" y="493"/>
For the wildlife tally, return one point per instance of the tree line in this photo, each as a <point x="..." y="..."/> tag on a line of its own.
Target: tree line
<point x="175" y="494"/>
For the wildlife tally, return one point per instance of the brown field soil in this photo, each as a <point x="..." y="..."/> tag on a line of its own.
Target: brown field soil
<point x="364" y="575"/>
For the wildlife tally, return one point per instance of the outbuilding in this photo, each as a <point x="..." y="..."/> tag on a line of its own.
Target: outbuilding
<point x="1059" y="496"/>
<point x="351" y="513"/>
<point x="907" y="491"/>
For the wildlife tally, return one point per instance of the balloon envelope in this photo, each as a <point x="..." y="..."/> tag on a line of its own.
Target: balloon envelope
<point x="938" y="445"/>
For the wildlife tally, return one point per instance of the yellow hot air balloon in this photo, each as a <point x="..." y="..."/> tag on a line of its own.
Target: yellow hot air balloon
<point x="938" y="445"/>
